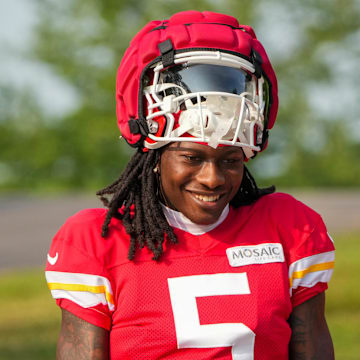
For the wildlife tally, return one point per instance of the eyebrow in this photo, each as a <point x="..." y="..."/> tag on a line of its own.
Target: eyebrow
<point x="199" y="151"/>
<point x="179" y="148"/>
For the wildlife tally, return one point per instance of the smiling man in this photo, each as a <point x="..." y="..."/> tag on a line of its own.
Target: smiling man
<point x="191" y="260"/>
<point x="200" y="181"/>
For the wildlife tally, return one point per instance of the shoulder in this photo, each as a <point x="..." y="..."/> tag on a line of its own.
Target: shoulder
<point x="78" y="268"/>
<point x="82" y="229"/>
<point x="280" y="199"/>
<point x="89" y="222"/>
<point x="282" y="215"/>
<point x="79" y="238"/>
<point x="284" y="208"/>
<point x="86" y="217"/>
<point x="301" y="230"/>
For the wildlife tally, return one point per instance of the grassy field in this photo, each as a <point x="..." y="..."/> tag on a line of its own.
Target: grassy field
<point x="343" y="298"/>
<point x="29" y="319"/>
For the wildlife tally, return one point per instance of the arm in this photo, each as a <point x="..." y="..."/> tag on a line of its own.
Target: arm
<point x="81" y="340"/>
<point x="310" y="339"/>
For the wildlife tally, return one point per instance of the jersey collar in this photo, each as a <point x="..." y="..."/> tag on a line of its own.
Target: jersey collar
<point x="178" y="220"/>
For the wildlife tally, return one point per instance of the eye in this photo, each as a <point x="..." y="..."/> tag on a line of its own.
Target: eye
<point x="192" y="158"/>
<point x="231" y="160"/>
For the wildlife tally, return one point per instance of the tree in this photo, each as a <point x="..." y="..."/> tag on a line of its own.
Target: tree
<point x="313" y="45"/>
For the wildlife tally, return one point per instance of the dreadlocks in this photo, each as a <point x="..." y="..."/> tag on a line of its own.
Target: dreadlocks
<point x="249" y="191"/>
<point x="135" y="200"/>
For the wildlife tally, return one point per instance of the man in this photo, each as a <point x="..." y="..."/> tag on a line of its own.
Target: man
<point x="194" y="261"/>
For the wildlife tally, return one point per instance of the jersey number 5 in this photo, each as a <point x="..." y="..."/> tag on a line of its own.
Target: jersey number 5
<point x="190" y="334"/>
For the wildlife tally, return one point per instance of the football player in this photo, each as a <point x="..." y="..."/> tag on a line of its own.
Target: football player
<point x="191" y="260"/>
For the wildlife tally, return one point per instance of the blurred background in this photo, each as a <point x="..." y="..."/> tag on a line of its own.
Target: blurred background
<point x="59" y="142"/>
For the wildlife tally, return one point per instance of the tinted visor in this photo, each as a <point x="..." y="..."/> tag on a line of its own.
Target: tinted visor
<point x="206" y="77"/>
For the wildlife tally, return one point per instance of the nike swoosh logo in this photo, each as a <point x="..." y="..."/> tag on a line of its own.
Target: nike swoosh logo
<point x="52" y="260"/>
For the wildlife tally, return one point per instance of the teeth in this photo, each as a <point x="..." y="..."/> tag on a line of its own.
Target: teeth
<point x="207" y="198"/>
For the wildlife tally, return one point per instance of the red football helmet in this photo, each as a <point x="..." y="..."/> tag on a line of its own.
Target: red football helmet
<point x="196" y="77"/>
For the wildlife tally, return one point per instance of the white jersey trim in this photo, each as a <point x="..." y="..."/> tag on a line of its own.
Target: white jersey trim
<point x="178" y="220"/>
<point x="83" y="289"/>
<point x="310" y="270"/>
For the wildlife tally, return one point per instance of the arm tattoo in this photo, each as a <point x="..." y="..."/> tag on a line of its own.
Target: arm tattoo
<point x="310" y="338"/>
<point x="298" y="326"/>
<point x="299" y="337"/>
<point x="81" y="340"/>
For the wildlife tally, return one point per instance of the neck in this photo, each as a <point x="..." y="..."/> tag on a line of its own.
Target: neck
<point x="178" y="220"/>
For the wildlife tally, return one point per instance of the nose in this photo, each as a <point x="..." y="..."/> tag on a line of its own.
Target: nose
<point x="210" y="175"/>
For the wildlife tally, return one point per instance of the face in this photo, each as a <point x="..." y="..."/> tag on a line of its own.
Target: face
<point x="200" y="181"/>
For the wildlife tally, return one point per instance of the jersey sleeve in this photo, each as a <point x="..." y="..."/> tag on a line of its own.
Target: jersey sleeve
<point x="75" y="275"/>
<point x="311" y="256"/>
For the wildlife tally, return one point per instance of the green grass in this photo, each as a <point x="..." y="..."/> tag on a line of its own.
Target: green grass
<point x="343" y="298"/>
<point x="30" y="320"/>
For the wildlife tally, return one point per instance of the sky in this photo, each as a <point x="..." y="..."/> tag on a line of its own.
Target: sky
<point x="18" y="18"/>
<point x="17" y="21"/>
<point x="56" y="97"/>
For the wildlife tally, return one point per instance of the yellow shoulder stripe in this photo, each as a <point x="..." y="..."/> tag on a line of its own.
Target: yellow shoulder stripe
<point x="95" y="289"/>
<point x="313" y="268"/>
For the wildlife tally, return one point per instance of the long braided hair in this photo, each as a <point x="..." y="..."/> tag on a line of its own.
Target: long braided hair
<point x="134" y="199"/>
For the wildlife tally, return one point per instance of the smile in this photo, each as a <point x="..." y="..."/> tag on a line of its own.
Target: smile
<point x="207" y="198"/>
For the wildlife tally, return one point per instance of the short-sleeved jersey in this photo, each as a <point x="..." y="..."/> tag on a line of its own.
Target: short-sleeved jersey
<point x="225" y="294"/>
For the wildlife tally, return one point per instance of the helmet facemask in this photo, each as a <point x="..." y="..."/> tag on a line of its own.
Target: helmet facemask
<point x="209" y="97"/>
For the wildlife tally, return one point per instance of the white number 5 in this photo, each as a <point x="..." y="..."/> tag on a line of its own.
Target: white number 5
<point x="189" y="332"/>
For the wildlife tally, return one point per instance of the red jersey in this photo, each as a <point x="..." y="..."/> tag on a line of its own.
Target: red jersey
<point x="223" y="294"/>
